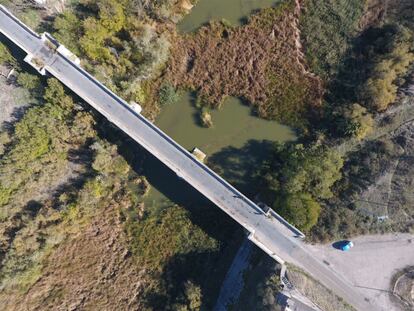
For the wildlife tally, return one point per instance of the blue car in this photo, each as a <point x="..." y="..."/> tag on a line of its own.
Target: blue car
<point x="347" y="245"/>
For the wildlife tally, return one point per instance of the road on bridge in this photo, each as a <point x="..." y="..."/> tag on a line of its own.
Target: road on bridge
<point x="265" y="231"/>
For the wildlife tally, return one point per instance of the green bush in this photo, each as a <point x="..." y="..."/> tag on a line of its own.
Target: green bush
<point x="354" y="121"/>
<point x="327" y="27"/>
<point x="168" y="95"/>
<point x="6" y="57"/>
<point x="67" y="30"/>
<point x="296" y="177"/>
<point x="5" y="194"/>
<point x="300" y="209"/>
<point x="28" y="81"/>
<point x="295" y="168"/>
<point x="394" y="53"/>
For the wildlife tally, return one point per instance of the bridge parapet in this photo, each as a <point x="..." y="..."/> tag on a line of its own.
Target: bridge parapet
<point x="9" y="14"/>
<point x="292" y="228"/>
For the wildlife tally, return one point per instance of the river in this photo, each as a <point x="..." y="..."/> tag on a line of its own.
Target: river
<point x="238" y="141"/>
<point x="235" y="145"/>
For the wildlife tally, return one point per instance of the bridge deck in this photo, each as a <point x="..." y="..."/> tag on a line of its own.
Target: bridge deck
<point x="268" y="233"/>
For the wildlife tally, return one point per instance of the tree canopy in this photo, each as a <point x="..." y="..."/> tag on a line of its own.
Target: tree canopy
<point x="297" y="176"/>
<point x="391" y="54"/>
<point x="300" y="209"/>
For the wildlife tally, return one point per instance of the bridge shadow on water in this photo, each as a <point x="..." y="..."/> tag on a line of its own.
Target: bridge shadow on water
<point x="239" y="166"/>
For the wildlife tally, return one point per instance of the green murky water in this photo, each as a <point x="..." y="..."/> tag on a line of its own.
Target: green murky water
<point x="233" y="126"/>
<point x="236" y="144"/>
<point x="234" y="11"/>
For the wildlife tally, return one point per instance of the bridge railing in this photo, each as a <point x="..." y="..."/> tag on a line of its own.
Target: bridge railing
<point x="292" y="228"/>
<point x="16" y="20"/>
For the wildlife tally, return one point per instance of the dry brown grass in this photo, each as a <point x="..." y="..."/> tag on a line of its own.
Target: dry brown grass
<point x="90" y="271"/>
<point x="261" y="62"/>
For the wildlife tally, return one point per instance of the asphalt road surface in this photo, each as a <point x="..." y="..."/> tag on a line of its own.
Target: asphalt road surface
<point x="268" y="233"/>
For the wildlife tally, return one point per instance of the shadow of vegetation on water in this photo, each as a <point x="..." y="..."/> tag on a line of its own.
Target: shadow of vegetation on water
<point x="175" y="189"/>
<point x="239" y="166"/>
<point x="170" y="185"/>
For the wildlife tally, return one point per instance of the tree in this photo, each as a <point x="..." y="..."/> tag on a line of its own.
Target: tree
<point x="395" y="54"/>
<point x="354" y="121"/>
<point x="297" y="176"/>
<point x="6" y="57"/>
<point x="112" y="15"/>
<point x="300" y="209"/>
<point x="28" y="81"/>
<point x="295" y="168"/>
<point x="67" y="30"/>
<point x="55" y="95"/>
<point x="92" y="42"/>
<point x="194" y="296"/>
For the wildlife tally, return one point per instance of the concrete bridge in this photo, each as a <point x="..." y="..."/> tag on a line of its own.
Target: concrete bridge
<point x="267" y="230"/>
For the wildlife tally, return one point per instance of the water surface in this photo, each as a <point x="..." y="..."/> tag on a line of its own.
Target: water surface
<point x="235" y="145"/>
<point x="233" y="125"/>
<point x="234" y="11"/>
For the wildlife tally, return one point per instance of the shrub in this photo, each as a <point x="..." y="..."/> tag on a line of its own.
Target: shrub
<point x="68" y="26"/>
<point x="354" y="121"/>
<point x="6" y="57"/>
<point x="28" y="81"/>
<point x="206" y="119"/>
<point x="296" y="177"/>
<point x="168" y="95"/>
<point x="295" y="168"/>
<point x="394" y="57"/>
<point x="327" y="27"/>
<point x="300" y="209"/>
